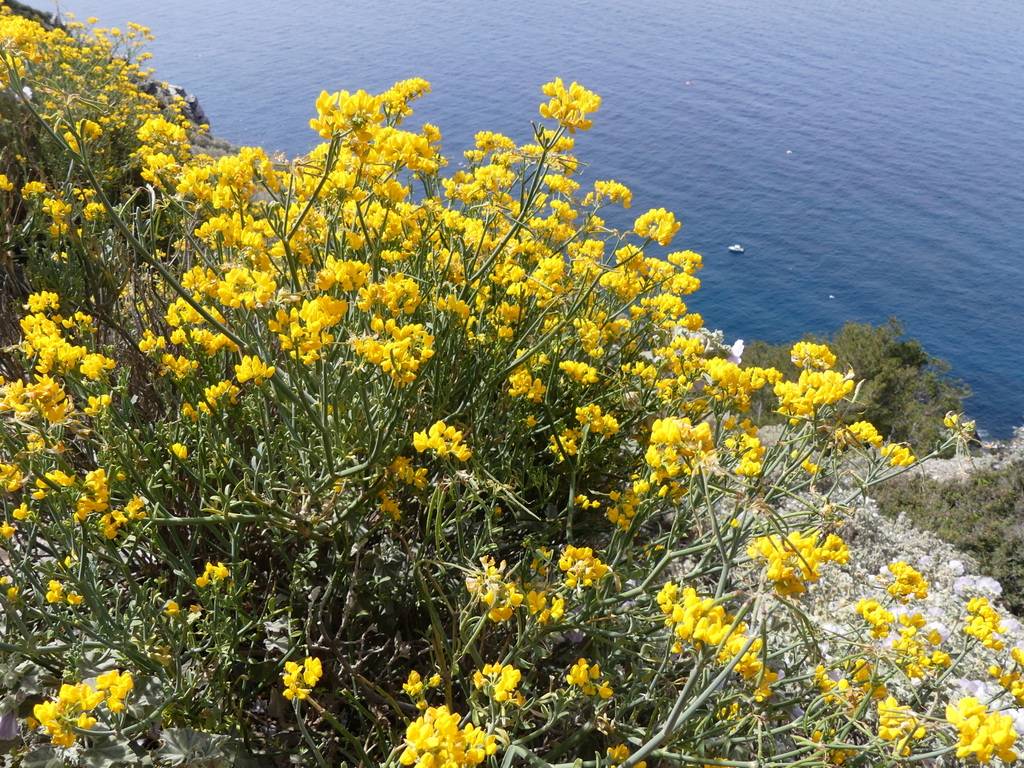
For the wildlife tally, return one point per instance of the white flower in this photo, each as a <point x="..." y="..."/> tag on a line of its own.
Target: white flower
<point x="736" y="352"/>
<point x="978" y="585"/>
<point x="977" y="688"/>
<point x="1018" y="718"/>
<point x="28" y="92"/>
<point x="956" y="567"/>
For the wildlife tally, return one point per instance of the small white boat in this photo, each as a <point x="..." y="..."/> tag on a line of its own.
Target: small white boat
<point x="736" y="248"/>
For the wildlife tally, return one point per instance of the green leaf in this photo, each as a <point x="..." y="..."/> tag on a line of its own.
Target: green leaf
<point x="44" y="757"/>
<point x="109" y="753"/>
<point x="183" y="746"/>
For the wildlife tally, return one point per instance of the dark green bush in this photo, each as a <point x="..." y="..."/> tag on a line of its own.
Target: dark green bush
<point x="982" y="516"/>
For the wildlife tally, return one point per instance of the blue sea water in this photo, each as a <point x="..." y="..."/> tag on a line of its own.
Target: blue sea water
<point x="868" y="154"/>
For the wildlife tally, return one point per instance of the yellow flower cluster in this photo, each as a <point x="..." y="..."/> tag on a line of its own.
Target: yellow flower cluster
<point x="750" y="450"/>
<point x="117" y="685"/>
<point x="898" y="455"/>
<point x="500" y="596"/>
<point x="598" y="422"/>
<point x="907" y="583"/>
<point x="677" y="447"/>
<point x="808" y="355"/>
<point x="865" y="432"/>
<point x="813" y="390"/>
<point x="581" y="373"/>
<point x="917" y="652"/>
<point x="587" y="678"/>
<point x="443" y="441"/>
<point x="404" y="350"/>
<point x="251" y="368"/>
<point x="657" y="224"/>
<point x="794" y="560"/>
<point x="56" y="593"/>
<point x="581" y="567"/>
<point x="537" y="604"/>
<point x="43" y="338"/>
<point x="1011" y="679"/>
<point x="899" y="724"/>
<point x="879" y="619"/>
<point x="569" y="106"/>
<point x="500" y="682"/>
<point x="112" y="522"/>
<point x="436" y="740"/>
<point x="619" y="753"/>
<point x="521" y="383"/>
<point x="984" y="623"/>
<point x="74" y="705"/>
<point x="213" y="574"/>
<point x="415" y="687"/>
<point x="703" y="623"/>
<point x="982" y="734"/>
<point x="306" y="330"/>
<point x="850" y="682"/>
<point x="299" y="679"/>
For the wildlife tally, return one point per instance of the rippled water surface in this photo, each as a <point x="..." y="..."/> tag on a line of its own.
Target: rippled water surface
<point x="867" y="154"/>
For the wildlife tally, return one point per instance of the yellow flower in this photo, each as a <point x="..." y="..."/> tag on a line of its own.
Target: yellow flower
<point x="33" y="189"/>
<point x="609" y="191"/>
<point x="443" y="441"/>
<point x="982" y="734"/>
<point x="54" y="591"/>
<point x="399" y="350"/>
<point x="808" y="355"/>
<point x="537" y="604"/>
<point x="658" y="225"/>
<point x="813" y="390"/>
<point x="865" y="432"/>
<point x="678" y="448"/>
<point x="179" y="450"/>
<point x="874" y="614"/>
<point x="984" y="623"/>
<point x="69" y="709"/>
<point x="413" y="685"/>
<point x="212" y="574"/>
<point x="435" y="740"/>
<point x="581" y="567"/>
<point x="899" y="724"/>
<point x="97" y="404"/>
<point x="899" y="455"/>
<point x="355" y="116"/>
<point x="499" y="682"/>
<point x="907" y="582"/>
<point x="619" y="753"/>
<point x="600" y="423"/>
<point x="702" y="623"/>
<point x="500" y="596"/>
<point x="569" y="106"/>
<point x="792" y="561"/>
<point x="521" y="383"/>
<point x="581" y="373"/>
<point x="299" y="679"/>
<point x="117" y="686"/>
<point x="587" y="677"/>
<point x="253" y="369"/>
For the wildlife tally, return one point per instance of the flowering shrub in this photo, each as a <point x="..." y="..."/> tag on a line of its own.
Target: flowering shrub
<point x="375" y="457"/>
